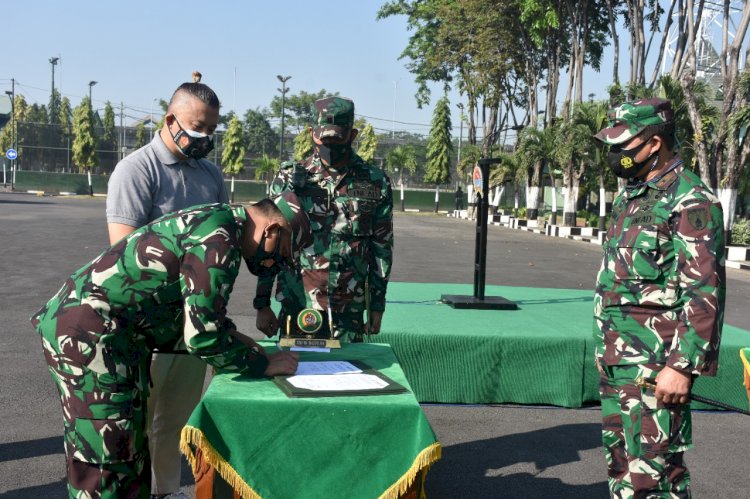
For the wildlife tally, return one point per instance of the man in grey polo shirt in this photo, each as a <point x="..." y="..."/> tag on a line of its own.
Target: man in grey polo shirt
<point x="167" y="175"/>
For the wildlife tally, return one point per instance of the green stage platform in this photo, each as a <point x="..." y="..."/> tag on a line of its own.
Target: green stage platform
<point x="539" y="354"/>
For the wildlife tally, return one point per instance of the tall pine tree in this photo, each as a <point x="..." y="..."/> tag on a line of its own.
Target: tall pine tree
<point x="368" y="143"/>
<point x="233" y="156"/>
<point x="439" y="147"/>
<point x="84" y="143"/>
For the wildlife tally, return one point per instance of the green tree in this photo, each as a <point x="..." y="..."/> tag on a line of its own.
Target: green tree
<point x="233" y="155"/>
<point x="37" y="131"/>
<point x="536" y="154"/>
<point x="66" y="113"/>
<point x="264" y="166"/>
<point x="439" y="147"/>
<point x="298" y="108"/>
<point x="164" y="105"/>
<point x="84" y="141"/>
<point x="54" y="107"/>
<point x="303" y="145"/>
<point x="574" y="154"/>
<point x="140" y="135"/>
<point x="400" y="158"/>
<point x="108" y="134"/>
<point x="368" y="143"/>
<point x="470" y="154"/>
<point x="20" y="113"/>
<point x="259" y="136"/>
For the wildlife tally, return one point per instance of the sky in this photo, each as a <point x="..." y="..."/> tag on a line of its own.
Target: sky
<point x="140" y="51"/>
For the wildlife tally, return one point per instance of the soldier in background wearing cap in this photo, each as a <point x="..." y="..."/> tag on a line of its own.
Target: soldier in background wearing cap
<point x="350" y="205"/>
<point x="659" y="302"/>
<point x="165" y="286"/>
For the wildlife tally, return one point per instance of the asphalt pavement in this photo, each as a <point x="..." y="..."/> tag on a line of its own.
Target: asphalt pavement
<point x="495" y="451"/>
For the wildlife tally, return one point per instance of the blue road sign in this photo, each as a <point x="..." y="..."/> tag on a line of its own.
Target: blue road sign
<point x="11" y="154"/>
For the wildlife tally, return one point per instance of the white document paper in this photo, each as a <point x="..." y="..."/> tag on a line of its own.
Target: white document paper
<point x="338" y="382"/>
<point x="326" y="367"/>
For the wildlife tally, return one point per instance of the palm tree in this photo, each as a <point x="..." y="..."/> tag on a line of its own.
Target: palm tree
<point x="579" y="151"/>
<point x="398" y="159"/>
<point x="507" y="170"/>
<point x="263" y="166"/>
<point x="536" y="151"/>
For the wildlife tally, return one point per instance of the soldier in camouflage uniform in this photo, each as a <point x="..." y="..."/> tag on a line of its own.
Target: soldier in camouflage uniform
<point x="164" y="284"/>
<point x="350" y="207"/>
<point x="659" y="302"/>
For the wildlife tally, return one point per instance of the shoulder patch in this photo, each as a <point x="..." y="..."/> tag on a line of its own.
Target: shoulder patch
<point x="698" y="217"/>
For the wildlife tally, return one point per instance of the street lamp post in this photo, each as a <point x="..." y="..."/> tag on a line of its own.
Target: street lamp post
<point x="460" y="107"/>
<point x="91" y="106"/>
<point x="91" y="102"/>
<point x="53" y="101"/>
<point x="283" y="90"/>
<point x="12" y="95"/>
<point x="393" y="120"/>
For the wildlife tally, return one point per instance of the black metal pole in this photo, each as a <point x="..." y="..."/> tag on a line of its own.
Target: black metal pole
<point x="483" y="214"/>
<point x="477" y="244"/>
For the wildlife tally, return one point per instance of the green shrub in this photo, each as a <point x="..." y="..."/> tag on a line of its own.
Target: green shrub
<point x="521" y="212"/>
<point x="593" y="220"/>
<point x="741" y="232"/>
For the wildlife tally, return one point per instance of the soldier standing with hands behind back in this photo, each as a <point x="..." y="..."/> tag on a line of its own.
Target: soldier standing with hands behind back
<point x="659" y="302"/>
<point x="350" y="206"/>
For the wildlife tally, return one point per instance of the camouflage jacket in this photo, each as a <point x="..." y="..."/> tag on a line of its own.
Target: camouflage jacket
<point x="351" y="218"/>
<point x="174" y="274"/>
<point x="660" y="290"/>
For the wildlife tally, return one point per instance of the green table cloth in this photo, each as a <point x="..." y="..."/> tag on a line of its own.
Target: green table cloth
<point x="745" y="356"/>
<point x="265" y="444"/>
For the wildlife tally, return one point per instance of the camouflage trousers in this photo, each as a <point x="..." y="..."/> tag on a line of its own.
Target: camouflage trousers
<point x="104" y="416"/>
<point x="644" y="440"/>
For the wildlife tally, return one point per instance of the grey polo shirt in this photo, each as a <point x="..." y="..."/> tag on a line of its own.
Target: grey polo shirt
<point x="152" y="181"/>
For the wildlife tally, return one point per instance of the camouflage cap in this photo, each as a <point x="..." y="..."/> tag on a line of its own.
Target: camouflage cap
<point x="334" y="117"/>
<point x="290" y="206"/>
<point x="630" y="118"/>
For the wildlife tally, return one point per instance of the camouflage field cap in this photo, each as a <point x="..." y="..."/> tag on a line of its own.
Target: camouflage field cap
<point x="630" y="118"/>
<point x="290" y="206"/>
<point x="334" y="117"/>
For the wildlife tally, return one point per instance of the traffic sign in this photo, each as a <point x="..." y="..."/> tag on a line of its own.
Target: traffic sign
<point x="11" y="154"/>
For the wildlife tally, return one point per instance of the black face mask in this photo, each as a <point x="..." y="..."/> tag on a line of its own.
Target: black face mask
<point x="192" y="144"/>
<point x="622" y="162"/>
<point x="333" y="153"/>
<point x="255" y="263"/>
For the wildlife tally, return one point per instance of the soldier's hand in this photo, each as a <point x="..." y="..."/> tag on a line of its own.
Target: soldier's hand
<point x="673" y="386"/>
<point x="282" y="363"/>
<point x="247" y="341"/>
<point x="266" y="322"/>
<point x="373" y="322"/>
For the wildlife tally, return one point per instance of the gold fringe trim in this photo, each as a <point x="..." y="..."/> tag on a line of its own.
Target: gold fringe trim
<point x="422" y="462"/>
<point x="193" y="436"/>
<point x="747" y="370"/>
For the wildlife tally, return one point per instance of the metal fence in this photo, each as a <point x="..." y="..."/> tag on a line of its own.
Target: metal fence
<point x="44" y="147"/>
